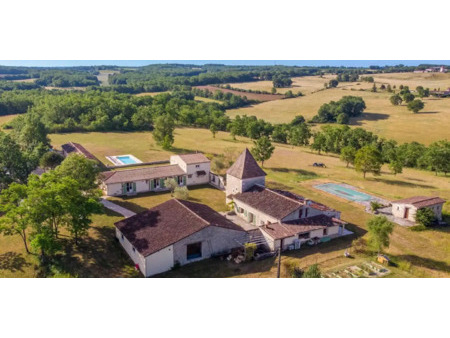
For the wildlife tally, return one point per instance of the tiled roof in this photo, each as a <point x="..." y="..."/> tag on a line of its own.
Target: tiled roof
<point x="292" y="228"/>
<point x="420" y="201"/>
<point x="168" y="223"/>
<point x="79" y="149"/>
<point x="268" y="201"/>
<point x="194" y="158"/>
<point x="245" y="167"/>
<point x="131" y="175"/>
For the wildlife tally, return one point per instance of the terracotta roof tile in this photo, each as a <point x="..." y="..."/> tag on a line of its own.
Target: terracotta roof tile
<point x="168" y="223"/>
<point x="73" y="147"/>
<point x="194" y="158"/>
<point x="131" y="175"/>
<point x="420" y="201"/>
<point x="245" y="167"/>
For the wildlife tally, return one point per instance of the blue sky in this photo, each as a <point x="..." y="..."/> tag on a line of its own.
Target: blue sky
<point x="348" y="63"/>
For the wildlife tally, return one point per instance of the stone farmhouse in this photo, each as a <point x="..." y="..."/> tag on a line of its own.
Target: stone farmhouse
<point x="187" y="170"/>
<point x="179" y="232"/>
<point x="407" y="208"/>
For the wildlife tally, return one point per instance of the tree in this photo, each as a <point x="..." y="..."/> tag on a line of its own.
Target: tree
<point x="81" y="169"/>
<point x="421" y="92"/>
<point x="298" y="119"/>
<point x="374" y="88"/>
<point x="416" y="105"/>
<point x="171" y="184"/>
<point x="163" y="131"/>
<point x="15" y="220"/>
<point x="14" y="166"/>
<point x="181" y="193"/>
<point x="51" y="159"/>
<point x="289" y="94"/>
<point x="319" y="142"/>
<point x="313" y="271"/>
<point x="348" y="154"/>
<point x="396" y="166"/>
<point x="389" y="88"/>
<point x="437" y="157"/>
<point x="262" y="149"/>
<point x="425" y="217"/>
<point x="408" y="97"/>
<point x="299" y="135"/>
<point x="368" y="159"/>
<point x="380" y="228"/>
<point x="213" y="129"/>
<point x="273" y="90"/>
<point x="396" y="99"/>
<point x="333" y="83"/>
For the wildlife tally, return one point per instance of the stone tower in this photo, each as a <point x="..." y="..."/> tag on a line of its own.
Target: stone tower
<point x="244" y="174"/>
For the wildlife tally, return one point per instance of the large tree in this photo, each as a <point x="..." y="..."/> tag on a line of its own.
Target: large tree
<point x="16" y="218"/>
<point x="348" y="154"/>
<point x="396" y="99"/>
<point x="368" y="159"/>
<point x="82" y="170"/>
<point x="416" y="105"/>
<point x="380" y="228"/>
<point x="14" y="166"/>
<point x="50" y="160"/>
<point x="262" y="149"/>
<point x="163" y="131"/>
<point x="299" y="135"/>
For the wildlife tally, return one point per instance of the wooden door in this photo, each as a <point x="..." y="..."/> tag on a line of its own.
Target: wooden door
<point x="406" y="213"/>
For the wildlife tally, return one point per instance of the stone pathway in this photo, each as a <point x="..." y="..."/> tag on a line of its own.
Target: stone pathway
<point x="117" y="208"/>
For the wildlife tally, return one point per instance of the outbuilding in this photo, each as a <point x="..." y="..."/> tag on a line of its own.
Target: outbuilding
<point x="176" y="232"/>
<point x="407" y="208"/>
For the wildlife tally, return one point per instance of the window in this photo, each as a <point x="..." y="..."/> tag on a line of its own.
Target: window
<point x="190" y="176"/>
<point x="303" y="236"/>
<point x="194" y="250"/>
<point x="134" y="249"/>
<point x="325" y="231"/>
<point x="129" y="187"/>
<point x="306" y="212"/>
<point x="180" y="180"/>
<point x="300" y="213"/>
<point x="122" y="237"/>
<point x="197" y="165"/>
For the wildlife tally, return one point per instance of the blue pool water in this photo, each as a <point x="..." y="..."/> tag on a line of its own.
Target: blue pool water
<point x="344" y="192"/>
<point x="126" y="159"/>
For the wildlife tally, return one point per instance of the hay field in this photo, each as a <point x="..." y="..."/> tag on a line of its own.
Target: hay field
<point x="380" y="116"/>
<point x="6" y="118"/>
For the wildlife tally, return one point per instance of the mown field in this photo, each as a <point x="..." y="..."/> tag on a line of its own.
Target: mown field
<point x="291" y="168"/>
<point x="250" y="96"/>
<point x="380" y="116"/>
<point x="5" y="119"/>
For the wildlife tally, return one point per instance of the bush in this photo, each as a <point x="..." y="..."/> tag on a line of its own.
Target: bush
<point x="404" y="265"/>
<point x="181" y="193"/>
<point x="250" y="249"/>
<point x="425" y="217"/>
<point x="312" y="272"/>
<point x="374" y="206"/>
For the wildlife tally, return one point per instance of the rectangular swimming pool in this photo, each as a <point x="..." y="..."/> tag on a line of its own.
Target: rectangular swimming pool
<point x="123" y="159"/>
<point x="126" y="159"/>
<point x="344" y="192"/>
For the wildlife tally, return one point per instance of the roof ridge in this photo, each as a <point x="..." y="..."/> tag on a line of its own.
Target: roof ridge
<point x="191" y="211"/>
<point x="275" y="192"/>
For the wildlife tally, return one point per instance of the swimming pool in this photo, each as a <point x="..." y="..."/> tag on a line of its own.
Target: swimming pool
<point x="123" y="159"/>
<point x="344" y="192"/>
<point x="126" y="159"/>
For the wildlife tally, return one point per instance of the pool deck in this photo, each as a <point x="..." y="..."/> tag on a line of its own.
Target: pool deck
<point x="117" y="162"/>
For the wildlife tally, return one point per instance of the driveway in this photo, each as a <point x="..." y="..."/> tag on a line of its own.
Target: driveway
<point x="117" y="208"/>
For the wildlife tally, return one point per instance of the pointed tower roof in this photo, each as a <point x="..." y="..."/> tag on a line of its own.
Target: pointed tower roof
<point x="245" y="167"/>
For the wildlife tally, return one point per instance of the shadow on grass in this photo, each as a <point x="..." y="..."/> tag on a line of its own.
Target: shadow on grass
<point x="428" y="263"/>
<point x="301" y="174"/>
<point x="357" y="121"/>
<point x="403" y="183"/>
<point x="426" y="112"/>
<point x="13" y="261"/>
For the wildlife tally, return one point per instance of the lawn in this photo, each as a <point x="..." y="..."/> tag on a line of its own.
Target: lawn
<point x="380" y="116"/>
<point x="289" y="168"/>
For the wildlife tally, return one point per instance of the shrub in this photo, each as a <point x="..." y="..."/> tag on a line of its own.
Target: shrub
<point x="425" y="217"/>
<point x="374" y="206"/>
<point x="404" y="265"/>
<point x="312" y="272"/>
<point x="181" y="193"/>
<point x="250" y="249"/>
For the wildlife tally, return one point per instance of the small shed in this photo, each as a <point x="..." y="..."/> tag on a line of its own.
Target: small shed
<point x="383" y="259"/>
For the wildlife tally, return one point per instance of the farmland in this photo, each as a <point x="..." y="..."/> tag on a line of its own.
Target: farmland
<point x="380" y="116"/>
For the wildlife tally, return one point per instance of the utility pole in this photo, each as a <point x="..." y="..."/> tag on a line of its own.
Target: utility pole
<point x="279" y="262"/>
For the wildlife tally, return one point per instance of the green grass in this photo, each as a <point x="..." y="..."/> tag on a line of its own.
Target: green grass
<point x="289" y="168"/>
